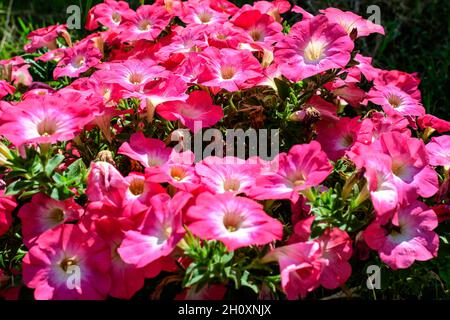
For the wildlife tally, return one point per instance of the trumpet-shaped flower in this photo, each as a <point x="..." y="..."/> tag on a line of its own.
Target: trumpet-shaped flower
<point x="236" y="221"/>
<point x="313" y="46"/>
<point x="197" y="112"/>
<point x="68" y="263"/>
<point x="44" y="213"/>
<point x="409" y="237"/>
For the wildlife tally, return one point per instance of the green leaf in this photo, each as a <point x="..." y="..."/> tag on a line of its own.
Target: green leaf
<point x="53" y="164"/>
<point x="76" y="170"/>
<point x="16" y="187"/>
<point x="283" y="88"/>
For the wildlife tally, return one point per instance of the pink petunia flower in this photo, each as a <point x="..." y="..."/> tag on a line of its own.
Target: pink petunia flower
<point x="313" y="46"/>
<point x="199" y="12"/>
<point x="430" y="121"/>
<point x="149" y="152"/>
<point x="67" y="263"/>
<point x="7" y="205"/>
<point x="159" y="233"/>
<point x="336" y="137"/>
<point x="132" y="75"/>
<point x="230" y="69"/>
<point x="109" y="14"/>
<point x="44" y="213"/>
<point x="77" y="60"/>
<point x="395" y="101"/>
<point x="236" y="221"/>
<point x="5" y="89"/>
<point x="300" y="267"/>
<point x="439" y="151"/>
<point x="228" y="174"/>
<point x="146" y="23"/>
<point x="409" y="237"/>
<point x="182" y="41"/>
<point x="126" y="279"/>
<point x="45" y="119"/>
<point x="44" y="37"/>
<point x="263" y="30"/>
<point x="197" y="112"/>
<point x="408" y="161"/>
<point x="336" y="248"/>
<point x="105" y="184"/>
<point x="305" y="166"/>
<point x="384" y="193"/>
<point x="178" y="171"/>
<point x="350" y="21"/>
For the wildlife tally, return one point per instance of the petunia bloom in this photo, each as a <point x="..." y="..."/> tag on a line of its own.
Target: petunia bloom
<point x="148" y="151"/>
<point x="67" y="263"/>
<point x="409" y="237"/>
<point x="45" y="119"/>
<point x="44" y="213"/>
<point x="197" y="112"/>
<point x="159" y="233"/>
<point x="236" y="221"/>
<point x="313" y="46"/>
<point x="305" y="166"/>
<point x="230" y="69"/>
<point x="439" y="151"/>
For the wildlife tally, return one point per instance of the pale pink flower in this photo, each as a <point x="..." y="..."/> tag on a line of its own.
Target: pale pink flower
<point x="313" y="46"/>
<point x="409" y="237"/>
<point x="45" y="119"/>
<point x="159" y="233"/>
<point x="439" y="151"/>
<point x="305" y="166"/>
<point x="235" y="221"/>
<point x="350" y="21"/>
<point x="146" y="23"/>
<point x="230" y="69"/>
<point x="149" y="152"/>
<point x="228" y="174"/>
<point x="50" y="265"/>
<point x="77" y="60"/>
<point x="44" y="213"/>
<point x="197" y="112"/>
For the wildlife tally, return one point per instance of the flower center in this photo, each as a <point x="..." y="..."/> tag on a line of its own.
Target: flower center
<point x="298" y="179"/>
<point x="47" y="127"/>
<point x="256" y="34"/>
<point x="232" y="221"/>
<point x="394" y="100"/>
<point x="347" y="140"/>
<point x="56" y="214"/>
<point x="116" y="18"/>
<point x="221" y="36"/>
<point x="137" y="187"/>
<point x="177" y="173"/>
<point x="227" y="72"/>
<point x="135" y="78"/>
<point x="314" y="51"/>
<point x="67" y="262"/>
<point x="79" y="61"/>
<point x="145" y="25"/>
<point x="205" y="17"/>
<point x="231" y="184"/>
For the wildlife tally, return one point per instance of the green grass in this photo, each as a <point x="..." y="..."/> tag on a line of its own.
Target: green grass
<point x="417" y="36"/>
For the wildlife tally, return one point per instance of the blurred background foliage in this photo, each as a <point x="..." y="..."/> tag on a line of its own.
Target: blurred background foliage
<point x="417" y="35"/>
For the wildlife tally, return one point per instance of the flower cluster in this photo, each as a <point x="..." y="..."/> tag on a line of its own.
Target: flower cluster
<point x="101" y="201"/>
